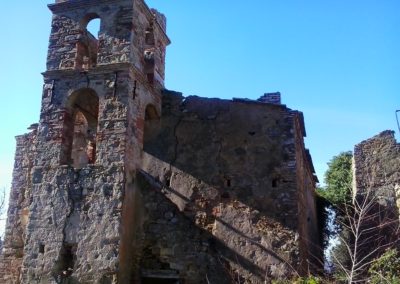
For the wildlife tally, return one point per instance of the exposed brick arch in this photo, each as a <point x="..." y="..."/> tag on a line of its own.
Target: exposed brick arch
<point x="81" y="128"/>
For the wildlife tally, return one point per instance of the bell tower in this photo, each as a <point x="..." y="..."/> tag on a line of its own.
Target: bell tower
<point x="87" y="145"/>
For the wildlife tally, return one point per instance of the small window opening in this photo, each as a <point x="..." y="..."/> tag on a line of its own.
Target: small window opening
<point x="66" y="262"/>
<point x="227" y="182"/>
<point x="252" y="133"/>
<point x="41" y="248"/>
<point x="275" y="182"/>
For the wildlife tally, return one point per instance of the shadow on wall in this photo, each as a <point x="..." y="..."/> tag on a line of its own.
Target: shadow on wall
<point x="174" y="247"/>
<point x="242" y="151"/>
<point x="226" y="167"/>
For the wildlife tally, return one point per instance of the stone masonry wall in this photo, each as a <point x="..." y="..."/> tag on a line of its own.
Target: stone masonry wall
<point x="75" y="228"/>
<point x="376" y="172"/>
<point x="377" y="163"/>
<point x="121" y="37"/>
<point x="75" y="214"/>
<point x="311" y="254"/>
<point x="230" y="166"/>
<point x="172" y="246"/>
<point x="68" y="29"/>
<point x="18" y="209"/>
<point x="163" y="187"/>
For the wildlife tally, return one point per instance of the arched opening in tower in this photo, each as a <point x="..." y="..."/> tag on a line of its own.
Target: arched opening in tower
<point x="93" y="27"/>
<point x="87" y="46"/>
<point x="83" y="109"/>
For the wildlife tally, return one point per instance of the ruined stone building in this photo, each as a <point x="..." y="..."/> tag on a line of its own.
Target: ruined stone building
<point x="377" y="176"/>
<point x="377" y="167"/>
<point x="122" y="181"/>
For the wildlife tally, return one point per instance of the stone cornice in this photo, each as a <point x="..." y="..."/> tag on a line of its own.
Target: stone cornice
<point x="101" y="69"/>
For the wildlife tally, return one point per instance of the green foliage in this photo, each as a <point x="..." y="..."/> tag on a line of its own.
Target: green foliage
<point x="340" y="252"/>
<point x="337" y="192"/>
<point x="386" y="269"/>
<point x="338" y="179"/>
<point x="324" y="228"/>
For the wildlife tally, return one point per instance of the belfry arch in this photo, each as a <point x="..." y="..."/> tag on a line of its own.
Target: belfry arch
<point x="88" y="45"/>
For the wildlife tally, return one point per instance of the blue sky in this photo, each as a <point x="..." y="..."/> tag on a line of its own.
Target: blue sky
<point x="336" y="60"/>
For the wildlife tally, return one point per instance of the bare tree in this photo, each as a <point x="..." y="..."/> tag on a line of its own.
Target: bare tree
<point x="371" y="228"/>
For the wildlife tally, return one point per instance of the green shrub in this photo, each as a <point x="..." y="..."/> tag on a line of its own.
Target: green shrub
<point x="338" y="179"/>
<point x="386" y="268"/>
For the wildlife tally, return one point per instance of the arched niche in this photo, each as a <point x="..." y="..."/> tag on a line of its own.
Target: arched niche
<point x="81" y="128"/>
<point x="151" y="124"/>
<point x="88" y="45"/>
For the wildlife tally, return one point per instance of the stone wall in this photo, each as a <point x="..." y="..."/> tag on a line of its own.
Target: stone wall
<point x="232" y="167"/>
<point x="225" y="192"/>
<point x="18" y="208"/>
<point x="311" y="254"/>
<point x="69" y="29"/>
<point x="74" y="230"/>
<point x="172" y="246"/>
<point x="75" y="214"/>
<point x="377" y="163"/>
<point x="124" y="29"/>
<point x="119" y="183"/>
<point x="377" y="177"/>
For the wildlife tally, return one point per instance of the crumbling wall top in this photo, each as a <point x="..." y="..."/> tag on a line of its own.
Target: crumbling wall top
<point x="386" y="136"/>
<point x="377" y="161"/>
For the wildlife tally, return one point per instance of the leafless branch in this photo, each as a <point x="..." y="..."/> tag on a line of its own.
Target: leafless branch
<point x="363" y="219"/>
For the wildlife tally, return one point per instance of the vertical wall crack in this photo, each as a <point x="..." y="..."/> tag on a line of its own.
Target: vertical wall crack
<point x="64" y="265"/>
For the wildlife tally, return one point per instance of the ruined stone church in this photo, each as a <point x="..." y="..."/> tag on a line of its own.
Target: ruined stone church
<point x="123" y="181"/>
